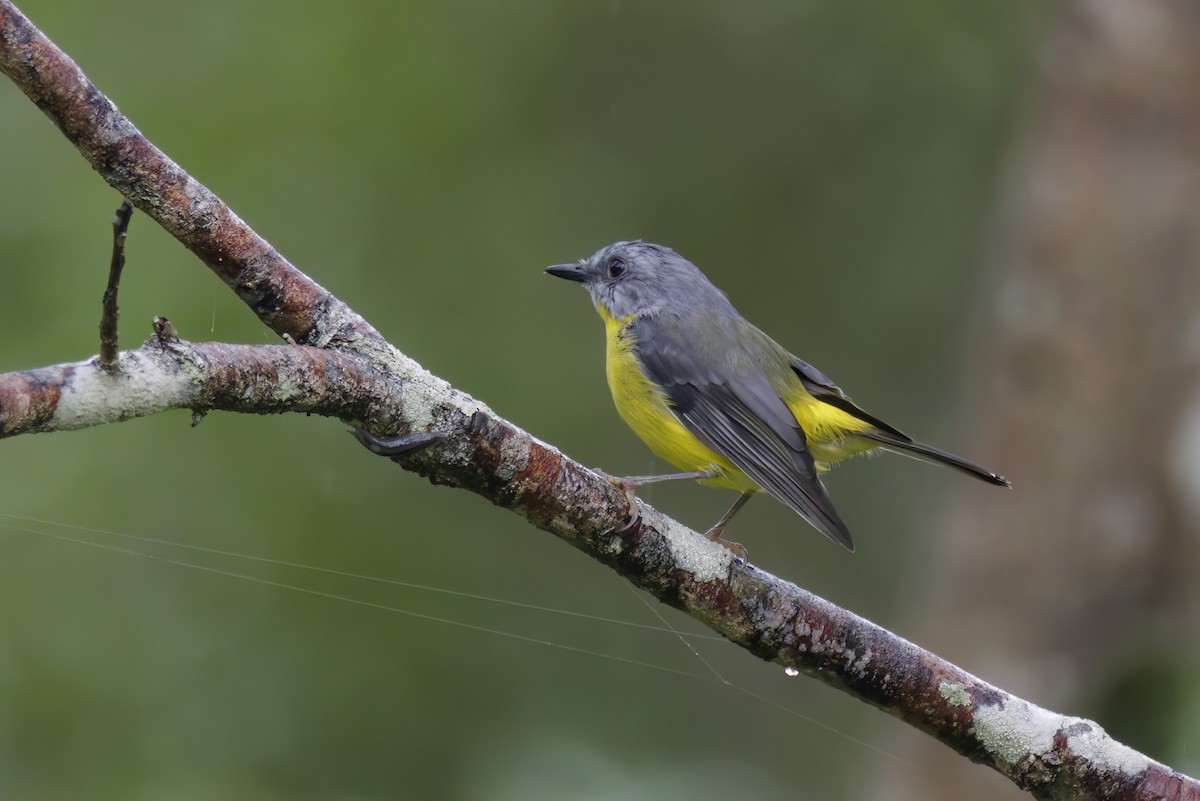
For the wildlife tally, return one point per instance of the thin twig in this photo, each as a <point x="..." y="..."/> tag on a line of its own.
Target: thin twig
<point x="108" y="318"/>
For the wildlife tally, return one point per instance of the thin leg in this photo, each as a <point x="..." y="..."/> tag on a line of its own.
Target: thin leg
<point x="638" y="481"/>
<point x="714" y="533"/>
<point x="631" y="483"/>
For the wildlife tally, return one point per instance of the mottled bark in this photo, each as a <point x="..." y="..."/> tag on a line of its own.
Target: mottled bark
<point x="356" y="375"/>
<point x="168" y="373"/>
<point x="1061" y="756"/>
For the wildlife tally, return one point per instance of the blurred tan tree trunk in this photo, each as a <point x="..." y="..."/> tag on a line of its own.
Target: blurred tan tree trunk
<point x="1080" y="589"/>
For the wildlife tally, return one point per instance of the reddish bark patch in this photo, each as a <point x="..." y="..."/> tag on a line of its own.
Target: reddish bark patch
<point x="28" y="401"/>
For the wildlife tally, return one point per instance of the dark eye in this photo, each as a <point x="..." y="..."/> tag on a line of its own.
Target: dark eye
<point x="616" y="268"/>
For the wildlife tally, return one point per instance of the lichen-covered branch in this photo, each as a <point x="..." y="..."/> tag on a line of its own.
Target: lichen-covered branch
<point x="356" y="375"/>
<point x="168" y="373"/>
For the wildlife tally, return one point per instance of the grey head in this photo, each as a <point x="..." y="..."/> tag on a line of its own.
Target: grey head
<point x="629" y="278"/>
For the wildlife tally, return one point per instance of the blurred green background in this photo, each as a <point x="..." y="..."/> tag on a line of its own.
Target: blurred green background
<point x="832" y="166"/>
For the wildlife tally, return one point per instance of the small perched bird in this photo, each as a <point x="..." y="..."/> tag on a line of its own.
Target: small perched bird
<point x="718" y="398"/>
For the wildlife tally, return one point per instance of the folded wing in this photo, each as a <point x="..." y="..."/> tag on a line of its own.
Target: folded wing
<point x="727" y="402"/>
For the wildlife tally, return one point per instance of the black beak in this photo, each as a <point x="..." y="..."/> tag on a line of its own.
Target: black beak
<point x="571" y="272"/>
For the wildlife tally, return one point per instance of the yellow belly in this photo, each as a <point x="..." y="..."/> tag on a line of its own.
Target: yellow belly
<point x="829" y="431"/>
<point x="644" y="409"/>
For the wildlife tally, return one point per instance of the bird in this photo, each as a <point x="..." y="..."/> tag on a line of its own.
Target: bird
<point x="714" y="396"/>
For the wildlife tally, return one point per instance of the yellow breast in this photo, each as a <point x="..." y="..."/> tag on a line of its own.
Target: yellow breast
<point x="644" y="409"/>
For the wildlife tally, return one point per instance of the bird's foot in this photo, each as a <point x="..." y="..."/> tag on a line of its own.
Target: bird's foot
<point x="395" y="446"/>
<point x="633" y="514"/>
<point x="736" y="548"/>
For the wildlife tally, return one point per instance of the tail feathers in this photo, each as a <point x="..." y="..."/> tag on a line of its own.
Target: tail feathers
<point x="821" y="387"/>
<point x="927" y="453"/>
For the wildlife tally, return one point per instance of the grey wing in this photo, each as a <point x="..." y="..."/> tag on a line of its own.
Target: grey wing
<point x="736" y="412"/>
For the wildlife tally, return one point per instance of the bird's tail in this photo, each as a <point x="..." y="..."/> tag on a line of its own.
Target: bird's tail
<point x="927" y="453"/>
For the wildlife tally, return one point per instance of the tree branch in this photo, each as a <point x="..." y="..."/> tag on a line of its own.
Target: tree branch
<point x="168" y="373"/>
<point x="356" y="375"/>
<point x="285" y="299"/>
